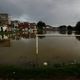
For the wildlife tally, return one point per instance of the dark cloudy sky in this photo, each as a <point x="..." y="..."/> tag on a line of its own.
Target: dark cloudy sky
<point x="53" y="12"/>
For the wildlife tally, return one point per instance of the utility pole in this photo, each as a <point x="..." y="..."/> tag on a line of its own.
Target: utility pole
<point x="37" y="50"/>
<point x="37" y="46"/>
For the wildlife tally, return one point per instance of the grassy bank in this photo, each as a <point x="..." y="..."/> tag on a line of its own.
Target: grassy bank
<point x="39" y="72"/>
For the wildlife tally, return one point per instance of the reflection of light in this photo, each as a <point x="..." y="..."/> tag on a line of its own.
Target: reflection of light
<point x="45" y="63"/>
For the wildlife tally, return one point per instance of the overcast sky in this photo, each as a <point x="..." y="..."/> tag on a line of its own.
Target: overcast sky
<point x="52" y="12"/>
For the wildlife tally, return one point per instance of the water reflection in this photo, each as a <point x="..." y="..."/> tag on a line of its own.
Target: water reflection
<point x="51" y="49"/>
<point x="69" y="32"/>
<point x="6" y="38"/>
<point x="77" y="33"/>
<point x="62" y="32"/>
<point x="19" y="35"/>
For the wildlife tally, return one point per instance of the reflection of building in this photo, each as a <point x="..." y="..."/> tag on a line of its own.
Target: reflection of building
<point x="4" y="40"/>
<point x="5" y="43"/>
<point x="3" y="19"/>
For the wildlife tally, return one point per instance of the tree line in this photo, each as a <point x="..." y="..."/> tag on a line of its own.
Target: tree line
<point x="41" y="26"/>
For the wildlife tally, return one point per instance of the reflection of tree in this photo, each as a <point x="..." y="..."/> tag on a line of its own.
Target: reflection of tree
<point x="78" y="38"/>
<point x="77" y="33"/>
<point x="62" y="29"/>
<point x="40" y="31"/>
<point x="62" y="32"/>
<point x="41" y="37"/>
<point x="77" y="29"/>
<point x="69" y="32"/>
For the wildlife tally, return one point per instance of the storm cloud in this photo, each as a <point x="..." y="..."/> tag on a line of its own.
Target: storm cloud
<point x="52" y="12"/>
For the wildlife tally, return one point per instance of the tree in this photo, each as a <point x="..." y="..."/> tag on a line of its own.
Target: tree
<point x="69" y="28"/>
<point x="40" y="26"/>
<point x="77" y="27"/>
<point x="62" y="28"/>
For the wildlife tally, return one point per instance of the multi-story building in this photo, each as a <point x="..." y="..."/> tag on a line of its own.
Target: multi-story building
<point x="3" y="19"/>
<point x="26" y="26"/>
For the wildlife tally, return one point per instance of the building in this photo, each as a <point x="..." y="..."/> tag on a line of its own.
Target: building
<point x="27" y="25"/>
<point x="15" y="23"/>
<point x="3" y="19"/>
<point x="33" y="25"/>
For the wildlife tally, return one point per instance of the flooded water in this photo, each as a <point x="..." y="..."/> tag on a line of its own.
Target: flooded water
<point x="20" y="49"/>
